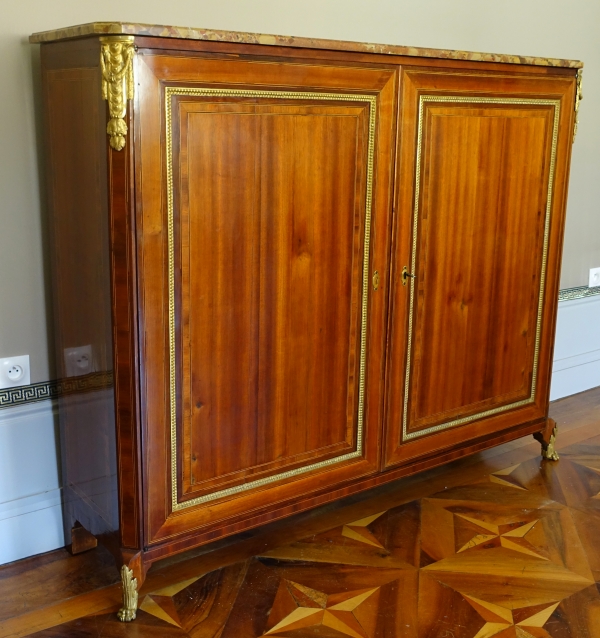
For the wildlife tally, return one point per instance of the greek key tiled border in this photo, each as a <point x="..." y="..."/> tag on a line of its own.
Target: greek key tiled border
<point x="10" y="397"/>
<point x="567" y="294"/>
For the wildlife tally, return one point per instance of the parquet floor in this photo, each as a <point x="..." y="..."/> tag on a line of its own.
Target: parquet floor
<point x="500" y="545"/>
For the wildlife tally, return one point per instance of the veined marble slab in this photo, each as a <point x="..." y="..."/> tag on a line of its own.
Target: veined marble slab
<point x="127" y="28"/>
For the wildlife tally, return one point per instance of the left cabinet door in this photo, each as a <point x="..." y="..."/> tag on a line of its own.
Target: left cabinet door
<point x="263" y="198"/>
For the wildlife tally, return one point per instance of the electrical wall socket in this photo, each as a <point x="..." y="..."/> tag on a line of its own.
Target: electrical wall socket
<point x="79" y="361"/>
<point x="594" y="277"/>
<point x="14" y="371"/>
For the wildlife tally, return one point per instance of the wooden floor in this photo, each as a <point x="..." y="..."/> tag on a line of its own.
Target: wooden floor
<point x="499" y="544"/>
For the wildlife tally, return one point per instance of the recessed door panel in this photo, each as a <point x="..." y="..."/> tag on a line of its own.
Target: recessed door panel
<point x="271" y="242"/>
<point x="478" y="260"/>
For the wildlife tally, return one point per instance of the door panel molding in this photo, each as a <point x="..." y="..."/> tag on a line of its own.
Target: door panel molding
<point x="169" y="93"/>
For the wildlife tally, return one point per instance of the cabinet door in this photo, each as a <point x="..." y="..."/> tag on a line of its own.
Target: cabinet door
<point x="264" y="191"/>
<point x="481" y="194"/>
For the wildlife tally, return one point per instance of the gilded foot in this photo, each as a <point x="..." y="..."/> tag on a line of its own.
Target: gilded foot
<point x="130" y="596"/>
<point x="549" y="451"/>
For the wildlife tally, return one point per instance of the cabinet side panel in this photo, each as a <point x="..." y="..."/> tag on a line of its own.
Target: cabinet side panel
<point x="77" y="205"/>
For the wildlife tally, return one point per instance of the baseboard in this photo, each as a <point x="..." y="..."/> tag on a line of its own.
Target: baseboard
<point x="576" y="364"/>
<point x="30" y="491"/>
<point x="31" y="525"/>
<point x="34" y="503"/>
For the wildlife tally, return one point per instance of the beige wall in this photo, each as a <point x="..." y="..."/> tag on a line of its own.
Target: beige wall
<point x="553" y="28"/>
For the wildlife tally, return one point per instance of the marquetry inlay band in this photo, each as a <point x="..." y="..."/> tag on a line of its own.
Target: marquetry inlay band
<point x="371" y="102"/>
<point x="426" y="99"/>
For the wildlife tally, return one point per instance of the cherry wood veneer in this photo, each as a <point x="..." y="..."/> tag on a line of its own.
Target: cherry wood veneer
<point x="247" y="248"/>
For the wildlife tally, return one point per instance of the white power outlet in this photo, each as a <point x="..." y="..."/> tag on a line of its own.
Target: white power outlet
<point x="594" y="277"/>
<point x="79" y="361"/>
<point x="14" y="371"/>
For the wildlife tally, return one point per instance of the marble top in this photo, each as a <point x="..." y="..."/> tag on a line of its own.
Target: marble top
<point x="129" y="28"/>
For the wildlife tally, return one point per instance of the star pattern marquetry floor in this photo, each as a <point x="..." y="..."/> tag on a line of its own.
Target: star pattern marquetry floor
<point x="511" y="554"/>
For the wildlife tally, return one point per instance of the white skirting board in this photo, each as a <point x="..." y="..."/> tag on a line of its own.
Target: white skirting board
<point x="577" y="347"/>
<point x="30" y="491"/>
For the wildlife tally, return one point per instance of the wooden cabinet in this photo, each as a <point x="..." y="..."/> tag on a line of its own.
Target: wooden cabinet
<point x="325" y="265"/>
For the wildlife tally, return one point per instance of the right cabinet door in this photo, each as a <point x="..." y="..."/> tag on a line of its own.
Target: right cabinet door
<point x="481" y="186"/>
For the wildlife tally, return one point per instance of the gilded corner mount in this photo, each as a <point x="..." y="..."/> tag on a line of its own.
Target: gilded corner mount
<point x="128" y="612"/>
<point x="116" y="62"/>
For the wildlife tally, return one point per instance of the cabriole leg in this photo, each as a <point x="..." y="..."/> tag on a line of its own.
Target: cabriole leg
<point x="130" y="595"/>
